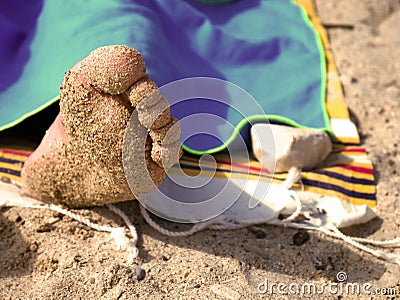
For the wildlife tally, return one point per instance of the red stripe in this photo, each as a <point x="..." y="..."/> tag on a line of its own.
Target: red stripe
<point x="16" y="152"/>
<point x="354" y="150"/>
<point x="364" y="170"/>
<point x="251" y="168"/>
<point x="357" y="169"/>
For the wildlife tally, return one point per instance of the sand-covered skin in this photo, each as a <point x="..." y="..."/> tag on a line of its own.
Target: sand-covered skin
<point x="113" y="70"/>
<point x="95" y="108"/>
<point x="70" y="261"/>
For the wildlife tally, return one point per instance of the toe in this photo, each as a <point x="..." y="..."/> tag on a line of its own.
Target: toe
<point x="168" y="134"/>
<point x="166" y="155"/>
<point x="144" y="91"/>
<point x="113" y="69"/>
<point x="166" y="148"/>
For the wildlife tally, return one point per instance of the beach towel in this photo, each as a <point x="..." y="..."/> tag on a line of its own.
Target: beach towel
<point x="266" y="47"/>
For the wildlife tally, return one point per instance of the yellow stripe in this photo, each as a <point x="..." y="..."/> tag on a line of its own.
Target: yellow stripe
<point x="224" y="174"/>
<point x="20" y="158"/>
<point x="224" y="163"/>
<point x="14" y="167"/>
<point x="350" y="154"/>
<point x="12" y="177"/>
<point x="17" y="166"/>
<point x="335" y="103"/>
<point x="345" y="140"/>
<point x="359" y="188"/>
<point x="349" y="173"/>
<point x="279" y="177"/>
<point x="356" y="201"/>
<point x="334" y="160"/>
<point x="341" y="147"/>
<point x="330" y="166"/>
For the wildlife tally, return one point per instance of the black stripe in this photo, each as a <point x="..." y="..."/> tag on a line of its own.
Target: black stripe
<point x="327" y="173"/>
<point x="343" y="177"/>
<point x="308" y="182"/>
<point x="347" y="144"/>
<point x="333" y="187"/>
<point x="228" y="170"/>
<point x="10" y="161"/>
<point x="11" y="172"/>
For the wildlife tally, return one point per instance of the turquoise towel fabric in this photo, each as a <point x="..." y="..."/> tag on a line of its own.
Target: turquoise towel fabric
<point x="266" y="47"/>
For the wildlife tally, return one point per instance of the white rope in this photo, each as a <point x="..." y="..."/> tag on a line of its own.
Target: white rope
<point x="128" y="222"/>
<point x="14" y="191"/>
<point x="196" y="227"/>
<point x="221" y="222"/>
<point x="122" y="242"/>
<point x="293" y="176"/>
<point x="331" y="230"/>
<point x="389" y="243"/>
<point x="130" y="244"/>
<point x="297" y="212"/>
<point x="79" y="218"/>
<point x="218" y="223"/>
<point x="391" y="257"/>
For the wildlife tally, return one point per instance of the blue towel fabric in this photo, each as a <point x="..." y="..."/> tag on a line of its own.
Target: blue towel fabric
<point x="268" y="48"/>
